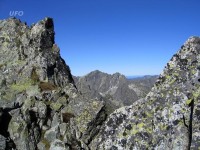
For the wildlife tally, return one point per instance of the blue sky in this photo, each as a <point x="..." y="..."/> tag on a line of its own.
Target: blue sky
<point x="133" y="37"/>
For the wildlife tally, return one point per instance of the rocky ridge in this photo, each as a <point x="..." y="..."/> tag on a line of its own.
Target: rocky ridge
<point x="168" y="118"/>
<point x="41" y="108"/>
<point x="40" y="105"/>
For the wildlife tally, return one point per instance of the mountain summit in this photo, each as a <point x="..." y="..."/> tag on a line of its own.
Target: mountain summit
<point x="116" y="90"/>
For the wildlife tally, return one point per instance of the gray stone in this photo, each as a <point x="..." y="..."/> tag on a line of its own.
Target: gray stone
<point x="56" y="120"/>
<point x="2" y="142"/>
<point x="52" y="134"/>
<point x="42" y="110"/>
<point x="58" y="145"/>
<point x="63" y="128"/>
<point x="41" y="146"/>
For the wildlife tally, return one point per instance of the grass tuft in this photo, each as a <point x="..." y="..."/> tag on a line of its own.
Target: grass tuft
<point x="46" y="86"/>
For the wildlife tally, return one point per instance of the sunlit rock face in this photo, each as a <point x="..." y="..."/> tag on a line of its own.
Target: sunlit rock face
<point x="169" y="116"/>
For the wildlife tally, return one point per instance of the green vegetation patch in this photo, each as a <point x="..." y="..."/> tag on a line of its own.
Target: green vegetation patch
<point x="83" y="119"/>
<point x="34" y="75"/>
<point x="1" y="65"/>
<point x="22" y="85"/>
<point x="44" y="141"/>
<point x="56" y="106"/>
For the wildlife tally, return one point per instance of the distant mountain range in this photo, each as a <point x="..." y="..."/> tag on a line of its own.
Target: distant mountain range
<point x="116" y="89"/>
<point x="139" y="76"/>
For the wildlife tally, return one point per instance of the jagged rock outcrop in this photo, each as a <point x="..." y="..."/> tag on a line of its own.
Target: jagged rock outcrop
<point x="40" y="105"/>
<point x="169" y="117"/>
<point x="116" y="90"/>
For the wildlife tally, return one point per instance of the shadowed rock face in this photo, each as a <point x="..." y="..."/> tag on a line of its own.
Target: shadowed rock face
<point x="116" y="90"/>
<point x="40" y="106"/>
<point x="168" y="118"/>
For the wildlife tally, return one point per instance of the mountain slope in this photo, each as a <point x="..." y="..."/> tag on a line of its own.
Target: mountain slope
<point x="142" y="85"/>
<point x="116" y="90"/>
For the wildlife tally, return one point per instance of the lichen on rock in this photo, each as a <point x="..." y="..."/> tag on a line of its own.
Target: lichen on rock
<point x="168" y="117"/>
<point x="36" y="88"/>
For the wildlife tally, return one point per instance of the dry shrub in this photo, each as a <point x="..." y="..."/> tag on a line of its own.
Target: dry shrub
<point x="34" y="75"/>
<point x="1" y="65"/>
<point x="67" y="116"/>
<point x="46" y="86"/>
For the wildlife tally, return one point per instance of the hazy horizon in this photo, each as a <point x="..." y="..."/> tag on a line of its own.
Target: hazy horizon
<point x="133" y="37"/>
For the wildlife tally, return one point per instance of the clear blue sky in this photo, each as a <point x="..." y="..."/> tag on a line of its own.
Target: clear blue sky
<point x="133" y="37"/>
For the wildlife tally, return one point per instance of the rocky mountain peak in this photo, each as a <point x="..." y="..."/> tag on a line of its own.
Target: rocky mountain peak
<point x="168" y="118"/>
<point x="44" y="30"/>
<point x="32" y="49"/>
<point x="39" y="103"/>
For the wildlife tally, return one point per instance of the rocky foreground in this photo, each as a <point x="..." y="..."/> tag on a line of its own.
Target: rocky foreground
<point x="169" y="117"/>
<point x="41" y="108"/>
